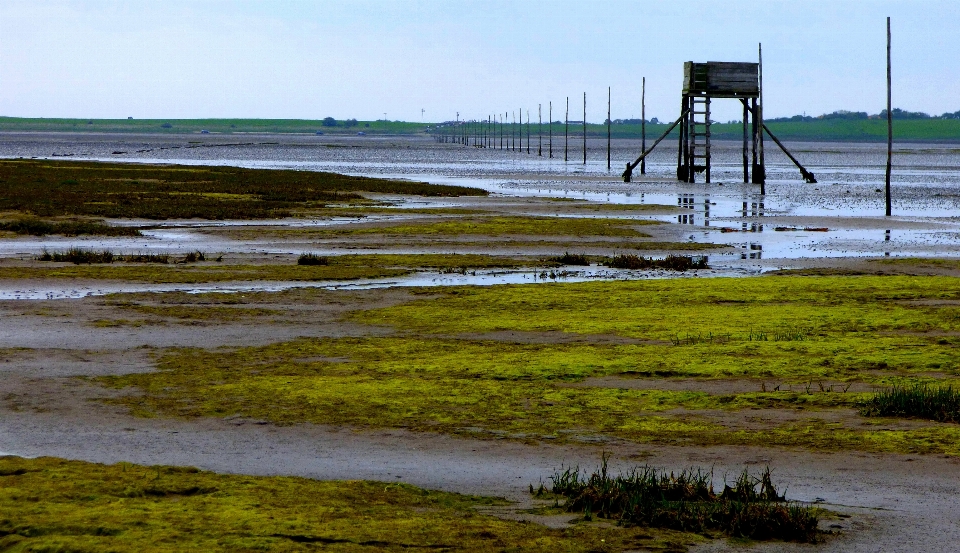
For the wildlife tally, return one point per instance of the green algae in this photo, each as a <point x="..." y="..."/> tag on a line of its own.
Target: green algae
<point x="446" y="370"/>
<point x="50" y="504"/>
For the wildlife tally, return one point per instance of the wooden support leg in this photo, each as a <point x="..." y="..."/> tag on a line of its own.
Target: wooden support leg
<point x="746" y="169"/>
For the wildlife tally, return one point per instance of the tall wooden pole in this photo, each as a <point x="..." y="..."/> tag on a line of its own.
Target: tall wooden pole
<point x="584" y="128"/>
<point x="643" y="124"/>
<point x="889" y="119"/>
<point x="550" y="127"/>
<point x="608" y="129"/>
<point x="759" y="117"/>
<point x="528" y="131"/>
<point x="540" y="130"/>
<point x="566" y="132"/>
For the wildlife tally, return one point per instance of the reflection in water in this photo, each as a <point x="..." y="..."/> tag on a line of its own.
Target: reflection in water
<point x="886" y="238"/>
<point x="755" y="251"/>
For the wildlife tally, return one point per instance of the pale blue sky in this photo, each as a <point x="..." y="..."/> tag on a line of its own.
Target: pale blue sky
<point x="364" y="58"/>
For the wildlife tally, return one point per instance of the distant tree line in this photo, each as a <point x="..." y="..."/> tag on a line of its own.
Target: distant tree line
<point x="331" y="122"/>
<point x="860" y="115"/>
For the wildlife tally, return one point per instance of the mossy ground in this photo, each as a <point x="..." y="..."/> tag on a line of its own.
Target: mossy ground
<point x="55" y="188"/>
<point x="445" y="369"/>
<point x="342" y="267"/>
<point x="49" y="504"/>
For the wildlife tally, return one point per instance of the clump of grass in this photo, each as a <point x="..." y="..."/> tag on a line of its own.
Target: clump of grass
<point x="672" y="262"/>
<point x="193" y="257"/>
<point x="939" y="403"/>
<point x="752" y="508"/>
<point x="313" y="259"/>
<point x="571" y="259"/>
<point x="38" y="227"/>
<point x="78" y="256"/>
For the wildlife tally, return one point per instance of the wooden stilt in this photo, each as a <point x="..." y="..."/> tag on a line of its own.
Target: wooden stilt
<point x="746" y="175"/>
<point x="566" y="133"/>
<point x="584" y="128"/>
<point x="540" y="130"/>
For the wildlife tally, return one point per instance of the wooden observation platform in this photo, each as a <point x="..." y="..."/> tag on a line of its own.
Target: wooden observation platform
<point x="702" y="82"/>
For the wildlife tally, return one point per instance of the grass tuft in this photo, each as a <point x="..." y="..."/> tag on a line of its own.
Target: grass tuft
<point x="673" y="262"/>
<point x="571" y="259"/>
<point x="313" y="259"/>
<point x="78" y="256"/>
<point x="752" y="508"/>
<point x="939" y="403"/>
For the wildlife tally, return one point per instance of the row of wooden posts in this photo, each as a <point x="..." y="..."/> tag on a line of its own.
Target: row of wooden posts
<point x="503" y="132"/>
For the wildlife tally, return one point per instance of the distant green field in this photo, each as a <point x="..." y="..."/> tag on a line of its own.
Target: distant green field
<point x="869" y="130"/>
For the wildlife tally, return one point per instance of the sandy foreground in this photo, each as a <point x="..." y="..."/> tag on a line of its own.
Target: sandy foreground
<point x="894" y="502"/>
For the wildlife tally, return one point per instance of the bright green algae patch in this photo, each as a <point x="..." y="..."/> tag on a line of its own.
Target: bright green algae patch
<point x="49" y="504"/>
<point x="446" y="370"/>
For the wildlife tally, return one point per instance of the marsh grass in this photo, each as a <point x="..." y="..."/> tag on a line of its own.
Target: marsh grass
<point x="79" y="256"/>
<point x="920" y="400"/>
<point x="56" y="188"/>
<point x="671" y="262"/>
<point x="571" y="259"/>
<point x="751" y="508"/>
<point x="49" y="504"/>
<point x="38" y="227"/>
<point x="312" y="259"/>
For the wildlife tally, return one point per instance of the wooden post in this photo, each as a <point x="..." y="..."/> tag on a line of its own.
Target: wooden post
<point x="643" y="124"/>
<point x="889" y="121"/>
<point x="584" y="128"/>
<point x="550" y="127"/>
<point x="759" y="116"/>
<point x="520" y="132"/>
<point x="608" y="128"/>
<point x="540" y="130"/>
<point x="528" y="131"/>
<point x="566" y="132"/>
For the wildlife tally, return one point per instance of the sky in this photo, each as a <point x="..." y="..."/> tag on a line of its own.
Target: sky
<point x="429" y="60"/>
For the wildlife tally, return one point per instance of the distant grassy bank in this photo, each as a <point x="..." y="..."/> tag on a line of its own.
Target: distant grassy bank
<point x="864" y="130"/>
